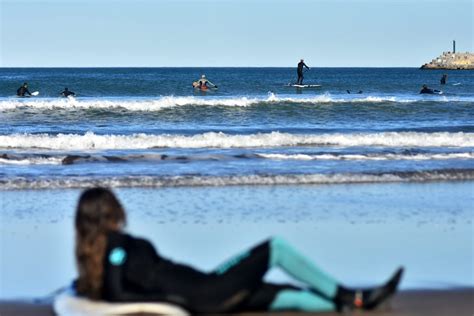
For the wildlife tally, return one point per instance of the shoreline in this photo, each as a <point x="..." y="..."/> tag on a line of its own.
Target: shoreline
<point x="459" y="302"/>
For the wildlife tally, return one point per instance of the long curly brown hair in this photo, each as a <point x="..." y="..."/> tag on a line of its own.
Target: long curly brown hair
<point x="98" y="212"/>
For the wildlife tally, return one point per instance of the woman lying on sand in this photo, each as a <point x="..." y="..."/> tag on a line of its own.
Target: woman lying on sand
<point x="117" y="267"/>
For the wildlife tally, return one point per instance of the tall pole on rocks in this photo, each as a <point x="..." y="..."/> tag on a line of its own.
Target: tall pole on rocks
<point x="454" y="47"/>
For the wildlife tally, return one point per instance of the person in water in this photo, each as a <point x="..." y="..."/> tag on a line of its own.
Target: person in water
<point x="426" y="90"/>
<point x="117" y="267"/>
<point x="23" y="90"/>
<point x="67" y="93"/>
<point x="299" y="71"/>
<point x="203" y="83"/>
<point x="444" y="78"/>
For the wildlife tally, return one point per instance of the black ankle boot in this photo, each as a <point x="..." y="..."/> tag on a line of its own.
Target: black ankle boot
<point x="367" y="298"/>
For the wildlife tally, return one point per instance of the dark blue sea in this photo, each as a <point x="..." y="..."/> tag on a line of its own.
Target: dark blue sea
<point x="147" y="127"/>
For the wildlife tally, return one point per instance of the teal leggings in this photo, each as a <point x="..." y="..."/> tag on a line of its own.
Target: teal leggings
<point x="321" y="288"/>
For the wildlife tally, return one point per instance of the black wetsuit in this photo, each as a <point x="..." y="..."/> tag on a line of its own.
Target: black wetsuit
<point x="301" y="64"/>
<point x="427" y="90"/>
<point x="67" y="93"/>
<point x="22" y="91"/>
<point x="443" y="79"/>
<point x="134" y="271"/>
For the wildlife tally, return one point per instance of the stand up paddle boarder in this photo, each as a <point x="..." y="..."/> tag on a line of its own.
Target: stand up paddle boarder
<point x="301" y="64"/>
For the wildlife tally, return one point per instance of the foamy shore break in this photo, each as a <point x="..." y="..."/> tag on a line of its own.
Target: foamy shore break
<point x="407" y="303"/>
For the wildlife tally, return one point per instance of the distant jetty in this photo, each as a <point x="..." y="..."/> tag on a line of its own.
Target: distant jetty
<point x="452" y="60"/>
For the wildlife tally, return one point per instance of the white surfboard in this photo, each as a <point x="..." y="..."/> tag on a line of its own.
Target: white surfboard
<point x="33" y="94"/>
<point x="67" y="304"/>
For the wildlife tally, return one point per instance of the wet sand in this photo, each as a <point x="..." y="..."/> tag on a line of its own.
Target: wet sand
<point x="379" y="227"/>
<point x="458" y="302"/>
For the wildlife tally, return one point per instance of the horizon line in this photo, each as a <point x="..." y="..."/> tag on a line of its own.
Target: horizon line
<point x="2" y="67"/>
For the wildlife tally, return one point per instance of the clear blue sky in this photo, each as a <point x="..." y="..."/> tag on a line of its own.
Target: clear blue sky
<point x="50" y="33"/>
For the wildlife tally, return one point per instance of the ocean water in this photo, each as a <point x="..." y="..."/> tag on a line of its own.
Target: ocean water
<point x="133" y="127"/>
<point x="361" y="183"/>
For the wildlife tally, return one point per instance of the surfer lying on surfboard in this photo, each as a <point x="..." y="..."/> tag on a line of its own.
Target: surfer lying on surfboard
<point x="203" y="84"/>
<point x="117" y="267"/>
<point x="426" y="90"/>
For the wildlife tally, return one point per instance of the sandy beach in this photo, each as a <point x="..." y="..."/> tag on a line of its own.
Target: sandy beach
<point x="459" y="302"/>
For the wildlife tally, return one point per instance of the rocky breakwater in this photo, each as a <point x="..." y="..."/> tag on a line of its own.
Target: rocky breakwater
<point x="449" y="60"/>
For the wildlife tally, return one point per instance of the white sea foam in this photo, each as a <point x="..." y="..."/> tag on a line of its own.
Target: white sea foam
<point x="32" y="161"/>
<point x="381" y="156"/>
<point x="91" y="141"/>
<point x="131" y="105"/>
<point x="180" y="181"/>
<point x="156" y="104"/>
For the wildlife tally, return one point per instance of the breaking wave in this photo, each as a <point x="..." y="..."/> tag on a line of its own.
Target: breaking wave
<point x="157" y="104"/>
<point x="91" y="141"/>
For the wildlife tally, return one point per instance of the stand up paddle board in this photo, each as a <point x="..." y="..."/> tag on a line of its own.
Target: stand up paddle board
<point x="303" y="85"/>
